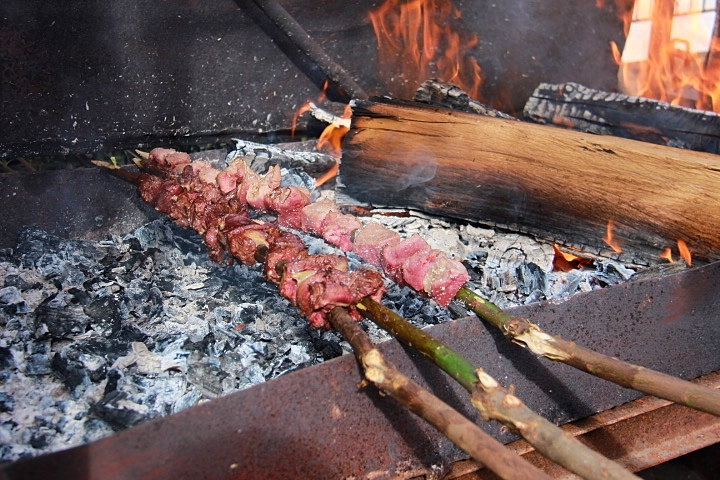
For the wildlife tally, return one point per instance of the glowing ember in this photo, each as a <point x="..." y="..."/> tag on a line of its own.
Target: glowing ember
<point x="609" y="237"/>
<point x="417" y="41"/>
<point x="684" y="252"/>
<point x="566" y="261"/>
<point x="672" y="53"/>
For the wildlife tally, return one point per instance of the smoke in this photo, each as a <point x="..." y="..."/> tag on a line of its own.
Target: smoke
<point x="420" y="167"/>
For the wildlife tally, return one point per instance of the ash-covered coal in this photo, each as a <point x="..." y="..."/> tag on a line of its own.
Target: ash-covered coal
<point x="101" y="336"/>
<point x="509" y="269"/>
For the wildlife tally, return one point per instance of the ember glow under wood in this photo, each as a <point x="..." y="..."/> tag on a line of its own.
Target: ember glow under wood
<point x="551" y="182"/>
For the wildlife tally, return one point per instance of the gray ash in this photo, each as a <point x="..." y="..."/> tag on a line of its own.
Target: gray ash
<point x="100" y="336"/>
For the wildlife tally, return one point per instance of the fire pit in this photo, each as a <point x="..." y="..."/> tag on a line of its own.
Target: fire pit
<point x="139" y="325"/>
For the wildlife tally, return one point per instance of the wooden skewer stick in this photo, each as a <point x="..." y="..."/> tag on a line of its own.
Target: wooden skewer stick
<point x="464" y="433"/>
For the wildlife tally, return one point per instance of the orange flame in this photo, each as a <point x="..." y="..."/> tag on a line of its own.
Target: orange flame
<point x="417" y="41"/>
<point x="684" y="252"/>
<point x="667" y="255"/>
<point x="306" y="107"/>
<point x="609" y="237"/>
<point x="673" y="53"/>
<point x="331" y="138"/>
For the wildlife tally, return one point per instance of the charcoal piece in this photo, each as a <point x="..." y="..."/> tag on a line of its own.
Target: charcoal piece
<point x="40" y="439"/>
<point x="327" y="347"/>
<point x="213" y="380"/>
<point x="59" y="318"/>
<point x="18" y="282"/>
<point x="129" y="333"/>
<point x="33" y="242"/>
<point x="204" y="345"/>
<point x="95" y="367"/>
<point x="105" y="315"/>
<point x="108" y="348"/>
<point x="530" y="278"/>
<point x="38" y="364"/>
<point x="155" y="295"/>
<point x="7" y="402"/>
<point x="11" y="301"/>
<point x="133" y="244"/>
<point x="113" y="377"/>
<point x="78" y="296"/>
<point x="247" y="312"/>
<point x="70" y="370"/>
<point x="120" y="412"/>
<point x="187" y="400"/>
<point x="7" y="361"/>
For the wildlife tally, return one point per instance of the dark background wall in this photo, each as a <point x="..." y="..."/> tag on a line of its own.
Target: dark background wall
<point x="89" y="75"/>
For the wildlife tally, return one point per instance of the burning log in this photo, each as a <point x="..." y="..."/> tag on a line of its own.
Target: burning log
<point x="604" y="113"/>
<point x="551" y="182"/>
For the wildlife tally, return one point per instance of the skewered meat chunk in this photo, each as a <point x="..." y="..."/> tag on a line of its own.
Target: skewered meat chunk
<point x="286" y="248"/>
<point x="338" y="229"/>
<point x="444" y="278"/>
<point x="215" y="204"/>
<point x="288" y="203"/>
<point x="313" y="215"/>
<point x="298" y="270"/>
<point x="328" y="288"/>
<point x="394" y="256"/>
<point x="255" y="188"/>
<point x="370" y="241"/>
<point x="416" y="266"/>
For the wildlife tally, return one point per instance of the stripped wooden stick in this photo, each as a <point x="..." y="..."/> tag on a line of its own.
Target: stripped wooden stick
<point x="522" y="332"/>
<point x="496" y="402"/>
<point x="465" y="434"/>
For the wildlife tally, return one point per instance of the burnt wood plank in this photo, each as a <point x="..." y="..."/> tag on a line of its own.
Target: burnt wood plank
<point x="588" y="110"/>
<point x="559" y="184"/>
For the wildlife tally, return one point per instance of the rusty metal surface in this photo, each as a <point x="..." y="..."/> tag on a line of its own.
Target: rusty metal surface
<point x="317" y="423"/>
<point x="84" y="203"/>
<point x="638" y="435"/>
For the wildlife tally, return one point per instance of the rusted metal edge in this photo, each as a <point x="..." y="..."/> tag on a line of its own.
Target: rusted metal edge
<point x="319" y="423"/>
<point x="638" y="435"/>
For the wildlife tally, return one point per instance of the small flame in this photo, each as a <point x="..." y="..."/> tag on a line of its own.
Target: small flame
<point x="667" y="255"/>
<point x="307" y="106"/>
<point x="303" y="109"/>
<point x="331" y="138"/>
<point x="417" y="41"/>
<point x="672" y="53"/>
<point x="609" y="237"/>
<point x="684" y="252"/>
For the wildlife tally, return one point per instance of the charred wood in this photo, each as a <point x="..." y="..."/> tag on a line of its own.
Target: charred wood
<point x="584" y="109"/>
<point x="558" y="184"/>
<point x="441" y="94"/>
<point x="302" y="50"/>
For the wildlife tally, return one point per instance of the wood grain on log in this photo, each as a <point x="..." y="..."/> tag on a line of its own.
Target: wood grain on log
<point x="559" y="184"/>
<point x="588" y="110"/>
